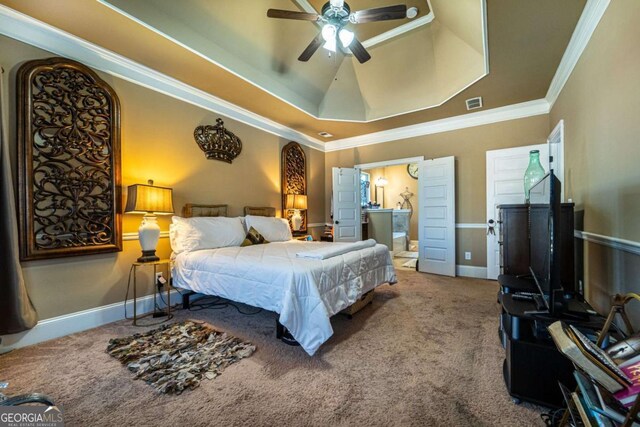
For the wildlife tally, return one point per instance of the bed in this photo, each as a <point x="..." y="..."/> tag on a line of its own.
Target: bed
<point x="305" y="292"/>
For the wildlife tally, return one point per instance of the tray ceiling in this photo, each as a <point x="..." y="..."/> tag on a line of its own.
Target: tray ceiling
<point x="526" y="41"/>
<point x="410" y="71"/>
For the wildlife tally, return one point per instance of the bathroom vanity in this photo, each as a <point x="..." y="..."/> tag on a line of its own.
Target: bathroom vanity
<point x="389" y="227"/>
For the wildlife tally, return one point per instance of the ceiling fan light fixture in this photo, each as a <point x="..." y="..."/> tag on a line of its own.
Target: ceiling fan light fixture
<point x="346" y="37"/>
<point x="329" y="33"/>
<point x="330" y="45"/>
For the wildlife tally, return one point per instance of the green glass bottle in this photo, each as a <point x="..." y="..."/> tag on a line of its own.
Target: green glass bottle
<point x="534" y="173"/>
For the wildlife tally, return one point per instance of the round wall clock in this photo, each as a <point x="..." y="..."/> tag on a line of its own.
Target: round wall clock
<point x="412" y="170"/>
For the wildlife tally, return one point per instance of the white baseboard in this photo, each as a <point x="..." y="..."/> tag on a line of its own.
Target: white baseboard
<point x="471" y="271"/>
<point x="77" y="322"/>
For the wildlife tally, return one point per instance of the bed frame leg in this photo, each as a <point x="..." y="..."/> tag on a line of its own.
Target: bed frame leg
<point x="185" y="300"/>
<point x="284" y="335"/>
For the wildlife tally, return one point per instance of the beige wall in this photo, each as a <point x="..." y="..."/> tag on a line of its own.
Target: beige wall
<point x="600" y="105"/>
<point x="158" y="144"/>
<point x="469" y="147"/>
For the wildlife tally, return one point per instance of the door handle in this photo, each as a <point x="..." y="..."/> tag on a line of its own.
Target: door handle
<point x="337" y="222"/>
<point x="490" y="227"/>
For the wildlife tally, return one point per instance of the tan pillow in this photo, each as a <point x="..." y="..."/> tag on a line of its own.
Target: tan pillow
<point x="253" y="238"/>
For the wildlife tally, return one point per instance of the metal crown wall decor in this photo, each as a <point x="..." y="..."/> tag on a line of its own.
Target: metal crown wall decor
<point x="294" y="178"/>
<point x="217" y="142"/>
<point x="69" y="161"/>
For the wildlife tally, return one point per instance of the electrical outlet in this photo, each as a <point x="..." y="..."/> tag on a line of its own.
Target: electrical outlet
<point x="160" y="280"/>
<point x="467" y="255"/>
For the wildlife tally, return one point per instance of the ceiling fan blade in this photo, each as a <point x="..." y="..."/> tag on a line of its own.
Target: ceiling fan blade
<point x="359" y="51"/>
<point x="291" y="14"/>
<point x="311" y="49"/>
<point x="387" y="13"/>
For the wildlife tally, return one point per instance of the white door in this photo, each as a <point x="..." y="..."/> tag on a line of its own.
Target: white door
<point x="437" y="216"/>
<point x="505" y="185"/>
<point x="347" y="225"/>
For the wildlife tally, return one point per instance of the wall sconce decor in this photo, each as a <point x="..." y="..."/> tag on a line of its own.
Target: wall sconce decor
<point x="217" y="142"/>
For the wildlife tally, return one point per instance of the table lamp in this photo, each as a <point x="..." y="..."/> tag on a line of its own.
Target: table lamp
<point x="296" y="202"/>
<point x="150" y="201"/>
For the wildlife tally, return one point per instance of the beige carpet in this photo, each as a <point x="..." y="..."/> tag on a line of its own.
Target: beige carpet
<point x="426" y="352"/>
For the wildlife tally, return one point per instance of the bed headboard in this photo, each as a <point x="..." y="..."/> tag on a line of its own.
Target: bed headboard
<point x="260" y="210"/>
<point x="191" y="210"/>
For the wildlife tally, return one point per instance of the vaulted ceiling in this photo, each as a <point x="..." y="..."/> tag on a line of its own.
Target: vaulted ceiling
<point x="506" y="51"/>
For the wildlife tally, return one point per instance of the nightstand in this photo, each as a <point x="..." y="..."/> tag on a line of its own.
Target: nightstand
<point x="155" y="264"/>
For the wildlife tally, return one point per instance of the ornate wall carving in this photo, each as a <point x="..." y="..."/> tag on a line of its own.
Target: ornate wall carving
<point x="294" y="178"/>
<point x="69" y="161"/>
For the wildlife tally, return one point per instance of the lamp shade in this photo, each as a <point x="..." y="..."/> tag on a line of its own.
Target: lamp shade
<point x="147" y="198"/>
<point x="296" y="201"/>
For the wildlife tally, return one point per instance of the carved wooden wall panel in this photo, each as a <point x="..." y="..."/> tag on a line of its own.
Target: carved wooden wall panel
<point x="69" y="161"/>
<point x="294" y="178"/>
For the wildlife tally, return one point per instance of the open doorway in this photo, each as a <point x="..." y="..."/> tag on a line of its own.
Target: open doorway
<point x="389" y="195"/>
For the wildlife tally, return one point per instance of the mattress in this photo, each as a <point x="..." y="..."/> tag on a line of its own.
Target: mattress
<point x="304" y="292"/>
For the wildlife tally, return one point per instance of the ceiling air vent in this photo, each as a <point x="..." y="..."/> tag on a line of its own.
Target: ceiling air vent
<point x="474" y="103"/>
<point x="325" y="134"/>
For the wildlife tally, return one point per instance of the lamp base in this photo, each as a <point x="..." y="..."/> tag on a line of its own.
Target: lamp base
<point x="148" y="256"/>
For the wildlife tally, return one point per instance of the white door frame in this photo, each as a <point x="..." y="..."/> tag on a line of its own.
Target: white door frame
<point x="557" y="137"/>
<point x="385" y="163"/>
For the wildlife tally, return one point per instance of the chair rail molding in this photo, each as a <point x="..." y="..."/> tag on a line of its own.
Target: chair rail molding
<point x="612" y="242"/>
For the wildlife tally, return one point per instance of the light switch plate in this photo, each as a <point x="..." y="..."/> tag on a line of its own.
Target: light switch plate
<point x="467" y="255"/>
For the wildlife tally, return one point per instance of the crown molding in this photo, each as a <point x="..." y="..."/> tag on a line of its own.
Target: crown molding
<point x="29" y="30"/>
<point x="495" y="115"/>
<point x="589" y="19"/>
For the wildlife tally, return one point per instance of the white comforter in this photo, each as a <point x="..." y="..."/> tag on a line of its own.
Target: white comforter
<point x="305" y="292"/>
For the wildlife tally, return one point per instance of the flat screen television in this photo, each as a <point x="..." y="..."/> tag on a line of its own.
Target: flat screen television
<point x="544" y="223"/>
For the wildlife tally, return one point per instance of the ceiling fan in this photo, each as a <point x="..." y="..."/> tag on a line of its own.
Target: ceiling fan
<point x="335" y="15"/>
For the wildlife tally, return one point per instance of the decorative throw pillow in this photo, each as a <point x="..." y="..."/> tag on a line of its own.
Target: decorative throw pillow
<point x="253" y="238"/>
<point x="273" y="229"/>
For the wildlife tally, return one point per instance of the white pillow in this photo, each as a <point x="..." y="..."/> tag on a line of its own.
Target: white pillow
<point x="192" y="234"/>
<point x="272" y="229"/>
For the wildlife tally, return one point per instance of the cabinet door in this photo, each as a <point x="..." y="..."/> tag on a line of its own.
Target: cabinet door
<point x="515" y="240"/>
